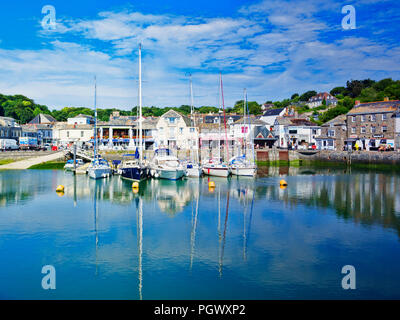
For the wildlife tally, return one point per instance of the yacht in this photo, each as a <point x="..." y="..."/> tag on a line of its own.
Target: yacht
<point x="166" y="166"/>
<point x="240" y="166"/>
<point x="99" y="168"/>
<point x="215" y="167"/>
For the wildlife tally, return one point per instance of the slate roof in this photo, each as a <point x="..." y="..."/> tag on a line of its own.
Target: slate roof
<point x="339" y="120"/>
<point x="375" y="107"/>
<point x="173" y="113"/>
<point x="42" y="118"/>
<point x="273" y="112"/>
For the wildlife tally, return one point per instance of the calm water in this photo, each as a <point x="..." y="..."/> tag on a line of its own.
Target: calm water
<point x="247" y="239"/>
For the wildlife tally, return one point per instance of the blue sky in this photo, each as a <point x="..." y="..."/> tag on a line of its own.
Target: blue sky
<point x="272" y="48"/>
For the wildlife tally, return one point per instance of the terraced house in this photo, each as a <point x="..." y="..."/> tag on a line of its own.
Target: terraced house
<point x="371" y="125"/>
<point x="333" y="134"/>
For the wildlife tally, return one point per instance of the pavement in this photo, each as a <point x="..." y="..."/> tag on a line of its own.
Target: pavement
<point x="27" y="163"/>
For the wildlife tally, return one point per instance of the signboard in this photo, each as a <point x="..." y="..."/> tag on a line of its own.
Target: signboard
<point x="378" y="135"/>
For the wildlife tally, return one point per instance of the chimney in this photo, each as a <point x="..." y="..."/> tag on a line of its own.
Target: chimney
<point x="357" y="102"/>
<point x="386" y="99"/>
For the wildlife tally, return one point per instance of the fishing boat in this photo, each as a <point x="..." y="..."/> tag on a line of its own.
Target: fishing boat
<point x="193" y="167"/>
<point x="69" y="166"/>
<point x="166" y="166"/>
<point x="133" y="168"/>
<point x="215" y="166"/>
<point x="244" y="165"/>
<point x="99" y="168"/>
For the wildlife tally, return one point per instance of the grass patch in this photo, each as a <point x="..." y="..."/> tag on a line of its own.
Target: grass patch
<point x="51" y="165"/>
<point x="6" y="161"/>
<point x="280" y="163"/>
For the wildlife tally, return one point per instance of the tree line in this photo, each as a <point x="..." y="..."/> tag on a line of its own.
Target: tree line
<point x="24" y="109"/>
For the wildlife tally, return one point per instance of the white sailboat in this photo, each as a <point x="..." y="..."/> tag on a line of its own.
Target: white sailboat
<point x="193" y="167"/>
<point x="215" y="166"/>
<point x="244" y="165"/>
<point x="133" y="167"/>
<point x="99" y="168"/>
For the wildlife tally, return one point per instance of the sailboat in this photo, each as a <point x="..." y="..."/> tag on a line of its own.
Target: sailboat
<point x="132" y="167"/>
<point x="243" y="165"/>
<point x="193" y="167"/>
<point x="216" y="167"/>
<point x="99" y="168"/>
<point x="164" y="165"/>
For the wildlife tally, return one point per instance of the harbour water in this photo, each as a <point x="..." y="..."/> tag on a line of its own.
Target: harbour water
<point x="245" y="239"/>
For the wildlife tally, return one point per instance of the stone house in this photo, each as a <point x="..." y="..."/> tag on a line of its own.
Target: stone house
<point x="333" y="134"/>
<point x="370" y="125"/>
<point x="175" y="131"/>
<point x="317" y="100"/>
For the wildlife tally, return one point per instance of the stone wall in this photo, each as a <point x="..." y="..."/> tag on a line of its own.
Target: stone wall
<point x="354" y="157"/>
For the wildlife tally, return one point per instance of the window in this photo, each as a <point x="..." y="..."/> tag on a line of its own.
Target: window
<point x="172" y="120"/>
<point x="314" y="131"/>
<point x="373" y="117"/>
<point x="373" y="129"/>
<point x="363" y="130"/>
<point x="384" y="129"/>
<point x="353" y="130"/>
<point x="171" y="132"/>
<point x="180" y="130"/>
<point x="363" y="118"/>
<point x="353" y="119"/>
<point x="161" y="129"/>
<point x="331" y="133"/>
<point x="384" y="116"/>
<point x="191" y="130"/>
<point x="292" y="131"/>
<point x="67" y="134"/>
<point x="81" y="134"/>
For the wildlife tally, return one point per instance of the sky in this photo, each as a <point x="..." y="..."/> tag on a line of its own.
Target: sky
<point x="272" y="48"/>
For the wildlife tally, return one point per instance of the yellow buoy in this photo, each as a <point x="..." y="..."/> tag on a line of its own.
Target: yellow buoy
<point x="60" y="188"/>
<point x="211" y="189"/>
<point x="135" y="185"/>
<point x="135" y="190"/>
<point x="211" y="184"/>
<point x="283" y="183"/>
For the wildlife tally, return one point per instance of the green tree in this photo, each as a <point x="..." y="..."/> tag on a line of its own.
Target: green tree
<point x="307" y="95"/>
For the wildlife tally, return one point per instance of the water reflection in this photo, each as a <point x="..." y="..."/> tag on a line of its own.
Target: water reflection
<point x="244" y="239"/>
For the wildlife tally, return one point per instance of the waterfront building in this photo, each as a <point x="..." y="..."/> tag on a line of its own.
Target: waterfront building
<point x="371" y="125"/>
<point x="123" y="132"/>
<point x="81" y="119"/>
<point x="271" y="115"/>
<point x="43" y="132"/>
<point x="333" y="134"/>
<point x="175" y="131"/>
<point x="317" y="100"/>
<point x="295" y="133"/>
<point x="64" y="133"/>
<point x="9" y="129"/>
<point x="257" y="129"/>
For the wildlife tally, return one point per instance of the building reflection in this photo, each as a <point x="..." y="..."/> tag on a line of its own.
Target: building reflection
<point x="364" y="197"/>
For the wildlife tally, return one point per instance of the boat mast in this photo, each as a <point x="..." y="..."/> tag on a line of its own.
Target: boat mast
<point x="226" y="134"/>
<point x="95" y="118"/>
<point x="140" y="104"/>
<point x="244" y="121"/>
<point x="219" y="118"/>
<point x="192" y="113"/>
<point x="251" y="137"/>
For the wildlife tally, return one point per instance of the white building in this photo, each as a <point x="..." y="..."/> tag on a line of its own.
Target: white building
<point x="63" y="133"/>
<point x="175" y="131"/>
<point x="317" y="100"/>
<point x="81" y="119"/>
<point x="270" y="116"/>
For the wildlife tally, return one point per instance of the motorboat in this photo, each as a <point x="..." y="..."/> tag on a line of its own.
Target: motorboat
<point x="132" y="169"/>
<point x="166" y="166"/>
<point x="69" y="166"/>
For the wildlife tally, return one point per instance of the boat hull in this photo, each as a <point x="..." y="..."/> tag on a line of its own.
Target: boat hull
<point x="134" y="173"/>
<point x="216" y="171"/>
<point x="244" y="171"/>
<point x="193" y="172"/>
<point x="168" y="174"/>
<point x="99" y="173"/>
